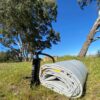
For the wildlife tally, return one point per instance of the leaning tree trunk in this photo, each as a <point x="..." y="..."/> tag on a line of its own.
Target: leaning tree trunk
<point x="90" y="38"/>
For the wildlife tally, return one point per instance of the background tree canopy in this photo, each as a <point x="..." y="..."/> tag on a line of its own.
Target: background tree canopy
<point x="27" y="25"/>
<point x="83" y="3"/>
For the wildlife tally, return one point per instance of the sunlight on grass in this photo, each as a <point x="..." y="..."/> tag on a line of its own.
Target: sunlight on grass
<point x="14" y="86"/>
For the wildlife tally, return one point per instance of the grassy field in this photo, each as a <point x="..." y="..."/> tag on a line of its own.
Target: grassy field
<point x="14" y="85"/>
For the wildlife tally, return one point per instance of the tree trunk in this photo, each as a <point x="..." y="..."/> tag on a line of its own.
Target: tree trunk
<point x="90" y="38"/>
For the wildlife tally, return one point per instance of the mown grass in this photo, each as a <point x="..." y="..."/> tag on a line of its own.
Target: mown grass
<point x="14" y="85"/>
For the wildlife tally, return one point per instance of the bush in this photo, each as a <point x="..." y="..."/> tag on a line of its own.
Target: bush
<point x="3" y="57"/>
<point x="9" y="56"/>
<point x="98" y="53"/>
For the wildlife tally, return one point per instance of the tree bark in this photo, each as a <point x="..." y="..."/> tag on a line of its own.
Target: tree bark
<point x="90" y="38"/>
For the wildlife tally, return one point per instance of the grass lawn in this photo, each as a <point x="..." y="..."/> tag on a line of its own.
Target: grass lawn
<point x="14" y="85"/>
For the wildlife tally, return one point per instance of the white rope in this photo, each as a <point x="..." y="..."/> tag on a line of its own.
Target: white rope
<point x="66" y="78"/>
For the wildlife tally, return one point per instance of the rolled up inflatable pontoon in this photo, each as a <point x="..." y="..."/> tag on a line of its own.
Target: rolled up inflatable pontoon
<point x="66" y="77"/>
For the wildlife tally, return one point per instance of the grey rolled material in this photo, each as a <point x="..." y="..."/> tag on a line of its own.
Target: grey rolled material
<point x="66" y="77"/>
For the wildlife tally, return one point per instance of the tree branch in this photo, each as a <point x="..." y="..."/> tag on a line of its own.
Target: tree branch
<point x="95" y="39"/>
<point x="97" y="31"/>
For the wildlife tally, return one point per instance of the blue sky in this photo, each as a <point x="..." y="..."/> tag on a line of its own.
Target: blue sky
<point x="74" y="25"/>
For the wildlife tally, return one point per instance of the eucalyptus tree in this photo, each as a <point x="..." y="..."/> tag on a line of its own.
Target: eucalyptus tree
<point x="27" y="25"/>
<point x="91" y="36"/>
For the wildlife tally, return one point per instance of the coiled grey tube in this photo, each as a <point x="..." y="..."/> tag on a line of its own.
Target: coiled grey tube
<point x="66" y="77"/>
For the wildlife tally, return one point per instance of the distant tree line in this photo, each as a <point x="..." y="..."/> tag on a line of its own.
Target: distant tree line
<point x="98" y="53"/>
<point x="12" y="56"/>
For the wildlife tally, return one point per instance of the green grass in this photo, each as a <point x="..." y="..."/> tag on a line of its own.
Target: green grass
<point x="14" y="86"/>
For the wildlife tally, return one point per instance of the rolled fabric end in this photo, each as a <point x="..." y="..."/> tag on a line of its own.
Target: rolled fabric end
<point x="66" y="77"/>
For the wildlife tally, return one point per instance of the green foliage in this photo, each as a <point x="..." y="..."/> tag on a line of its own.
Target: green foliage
<point x="10" y="56"/>
<point x="3" y="57"/>
<point x="84" y="3"/>
<point x="98" y="53"/>
<point x="28" y="23"/>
